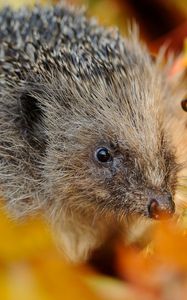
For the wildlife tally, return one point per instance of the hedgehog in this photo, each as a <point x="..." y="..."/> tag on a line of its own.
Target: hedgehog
<point x="84" y="140"/>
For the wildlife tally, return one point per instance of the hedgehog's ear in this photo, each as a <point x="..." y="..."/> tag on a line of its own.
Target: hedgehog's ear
<point x="31" y="120"/>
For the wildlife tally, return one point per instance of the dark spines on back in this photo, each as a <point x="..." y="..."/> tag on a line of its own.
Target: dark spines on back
<point x="59" y="37"/>
<point x="69" y="37"/>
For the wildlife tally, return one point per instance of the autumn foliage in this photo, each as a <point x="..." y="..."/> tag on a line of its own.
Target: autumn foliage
<point x="32" y="268"/>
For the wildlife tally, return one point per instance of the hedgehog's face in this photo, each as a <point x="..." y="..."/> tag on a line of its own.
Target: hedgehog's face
<point x="102" y="153"/>
<point x="125" y="180"/>
<point x="106" y="174"/>
<point x="113" y="157"/>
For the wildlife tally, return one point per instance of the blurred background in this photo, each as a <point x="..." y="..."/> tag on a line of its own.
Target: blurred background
<point x="159" y="20"/>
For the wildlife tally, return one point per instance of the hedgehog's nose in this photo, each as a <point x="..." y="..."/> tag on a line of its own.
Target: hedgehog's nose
<point x="161" y="207"/>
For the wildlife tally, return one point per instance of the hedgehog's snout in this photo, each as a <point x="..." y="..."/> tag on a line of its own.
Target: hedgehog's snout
<point x="160" y="206"/>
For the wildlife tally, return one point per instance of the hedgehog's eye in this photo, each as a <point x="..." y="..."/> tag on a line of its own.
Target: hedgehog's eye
<point x="184" y="104"/>
<point x="103" y="155"/>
